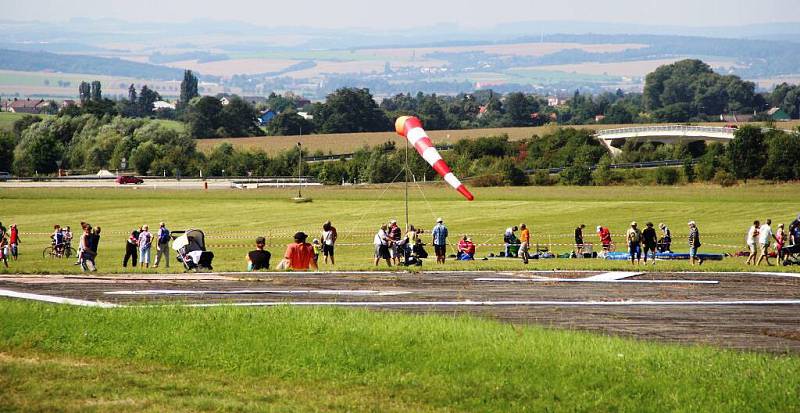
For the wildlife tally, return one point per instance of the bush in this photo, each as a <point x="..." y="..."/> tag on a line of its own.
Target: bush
<point x="488" y="180"/>
<point x="541" y="178"/>
<point x="725" y="179"/>
<point x="576" y="175"/>
<point x="666" y="176"/>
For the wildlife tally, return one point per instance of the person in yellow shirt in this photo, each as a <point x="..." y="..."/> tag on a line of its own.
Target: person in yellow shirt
<point x="634" y="238"/>
<point x="525" y="238"/>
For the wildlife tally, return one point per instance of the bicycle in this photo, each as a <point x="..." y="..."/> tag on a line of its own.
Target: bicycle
<point x="65" y="251"/>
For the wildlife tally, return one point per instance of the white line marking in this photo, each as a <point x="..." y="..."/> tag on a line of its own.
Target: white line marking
<point x="55" y="299"/>
<point x="358" y="293"/>
<point x="612" y="276"/>
<point x="505" y="303"/>
<point x="589" y="280"/>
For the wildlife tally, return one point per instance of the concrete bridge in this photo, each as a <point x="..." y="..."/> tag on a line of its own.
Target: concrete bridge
<point x="613" y="139"/>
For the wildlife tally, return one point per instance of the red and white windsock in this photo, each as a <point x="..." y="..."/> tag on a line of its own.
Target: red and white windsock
<point x="410" y="128"/>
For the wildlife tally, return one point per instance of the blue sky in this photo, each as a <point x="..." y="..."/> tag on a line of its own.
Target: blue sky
<point x="411" y="13"/>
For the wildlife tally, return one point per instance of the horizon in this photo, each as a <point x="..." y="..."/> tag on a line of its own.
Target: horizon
<point x="359" y="14"/>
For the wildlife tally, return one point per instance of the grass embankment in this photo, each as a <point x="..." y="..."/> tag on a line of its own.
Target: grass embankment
<point x="232" y="219"/>
<point x="290" y="359"/>
<point x="350" y="142"/>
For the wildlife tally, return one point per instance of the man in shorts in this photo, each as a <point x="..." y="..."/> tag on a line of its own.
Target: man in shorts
<point x="381" y="242"/>
<point x="258" y="259"/>
<point x="765" y="237"/>
<point x="525" y="244"/>
<point x="650" y="242"/>
<point x="579" y="239"/>
<point x="752" y="236"/>
<point x="329" y="236"/>
<point x="634" y="238"/>
<point x="440" y="240"/>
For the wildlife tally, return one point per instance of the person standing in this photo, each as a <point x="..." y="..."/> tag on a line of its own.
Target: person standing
<point x="131" y="249"/>
<point x="439" y="233"/>
<point x="395" y="234"/>
<point x="634" y="239"/>
<point x="650" y="242"/>
<point x="258" y="259"/>
<point x="85" y="252"/>
<point x="329" y="236"/>
<point x="605" y="237"/>
<point x="145" y="243"/>
<point x="525" y="244"/>
<point x="765" y="237"/>
<point x="579" y="239"/>
<point x="94" y="243"/>
<point x="299" y="255"/>
<point x="694" y="243"/>
<point x="14" y="241"/>
<point x="780" y="241"/>
<point x="752" y="236"/>
<point x="381" y="242"/>
<point x="3" y="245"/>
<point x="665" y="242"/>
<point x="162" y="248"/>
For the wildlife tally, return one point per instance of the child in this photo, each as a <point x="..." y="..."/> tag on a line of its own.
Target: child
<point x="317" y="246"/>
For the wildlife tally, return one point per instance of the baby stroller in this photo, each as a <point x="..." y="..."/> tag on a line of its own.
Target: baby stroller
<point x="190" y="246"/>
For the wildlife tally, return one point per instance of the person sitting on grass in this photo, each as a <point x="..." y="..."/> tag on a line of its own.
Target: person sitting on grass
<point x="466" y="249"/>
<point x="299" y="255"/>
<point x="258" y="259"/>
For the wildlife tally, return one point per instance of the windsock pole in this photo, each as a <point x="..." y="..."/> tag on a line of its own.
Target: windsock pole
<point x="410" y="128"/>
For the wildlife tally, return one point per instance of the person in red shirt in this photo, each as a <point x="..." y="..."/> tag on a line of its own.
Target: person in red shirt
<point x="466" y="249"/>
<point x="605" y="237"/>
<point x="14" y="241"/>
<point x="299" y="254"/>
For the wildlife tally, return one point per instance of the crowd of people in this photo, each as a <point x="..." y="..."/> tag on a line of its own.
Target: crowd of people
<point x="395" y="248"/>
<point x="760" y="236"/>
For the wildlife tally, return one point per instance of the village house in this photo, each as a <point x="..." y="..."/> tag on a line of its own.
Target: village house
<point x="32" y="106"/>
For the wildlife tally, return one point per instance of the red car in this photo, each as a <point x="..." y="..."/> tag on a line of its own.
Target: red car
<point x="126" y="179"/>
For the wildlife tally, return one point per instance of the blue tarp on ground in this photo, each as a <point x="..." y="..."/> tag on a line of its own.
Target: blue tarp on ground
<point x="621" y="256"/>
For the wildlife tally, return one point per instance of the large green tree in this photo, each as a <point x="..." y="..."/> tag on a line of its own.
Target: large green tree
<point x="38" y="150"/>
<point x="189" y="88"/>
<point x="289" y="123"/>
<point x="351" y="110"/>
<point x="202" y="116"/>
<point x="747" y="152"/>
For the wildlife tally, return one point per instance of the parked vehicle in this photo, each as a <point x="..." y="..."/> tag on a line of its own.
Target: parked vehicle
<point x="4" y="176"/>
<point x="127" y="179"/>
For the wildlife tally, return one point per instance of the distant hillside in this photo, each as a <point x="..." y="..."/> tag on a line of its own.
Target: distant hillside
<point x="41" y="61"/>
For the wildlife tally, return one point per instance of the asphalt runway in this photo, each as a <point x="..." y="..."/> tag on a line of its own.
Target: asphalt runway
<point x="749" y="311"/>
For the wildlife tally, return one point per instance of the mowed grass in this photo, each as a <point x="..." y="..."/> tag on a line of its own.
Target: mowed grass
<point x="232" y="219"/>
<point x="339" y="143"/>
<point x="7" y="119"/>
<point x="324" y="359"/>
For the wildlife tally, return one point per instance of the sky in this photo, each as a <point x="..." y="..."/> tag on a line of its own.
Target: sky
<point x="413" y="13"/>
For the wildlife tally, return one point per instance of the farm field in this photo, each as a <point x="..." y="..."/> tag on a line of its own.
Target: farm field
<point x="349" y="142"/>
<point x="233" y="218"/>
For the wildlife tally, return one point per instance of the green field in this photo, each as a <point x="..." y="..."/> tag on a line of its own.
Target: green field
<point x="55" y="358"/>
<point x="233" y="218"/>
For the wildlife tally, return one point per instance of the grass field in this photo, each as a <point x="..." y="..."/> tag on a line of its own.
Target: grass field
<point x="290" y="359"/>
<point x="349" y="142"/>
<point x="7" y="120"/>
<point x="232" y="219"/>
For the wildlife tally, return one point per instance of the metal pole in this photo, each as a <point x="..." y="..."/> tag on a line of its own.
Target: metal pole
<point x="407" y="168"/>
<point x="300" y="170"/>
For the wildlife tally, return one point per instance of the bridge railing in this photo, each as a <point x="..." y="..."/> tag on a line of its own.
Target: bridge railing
<point x="667" y="128"/>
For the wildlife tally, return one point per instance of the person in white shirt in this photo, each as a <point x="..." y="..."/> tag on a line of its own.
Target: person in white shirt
<point x="765" y="237"/>
<point x="381" y="242"/>
<point x="329" y="236"/>
<point x="752" y="235"/>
